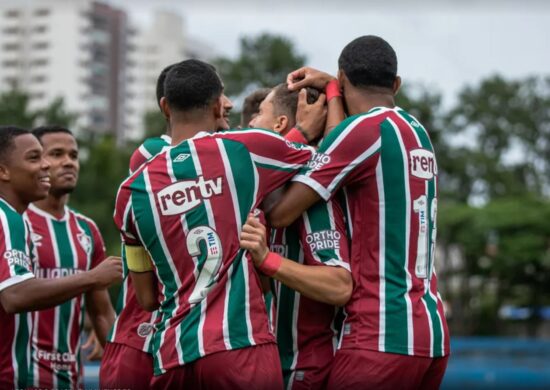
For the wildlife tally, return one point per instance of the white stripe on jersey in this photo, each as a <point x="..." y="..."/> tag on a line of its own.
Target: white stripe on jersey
<point x="382" y="256"/>
<point x="237" y="209"/>
<point x="14" y="362"/>
<point x="167" y="254"/>
<point x="75" y="299"/>
<point x="57" y="314"/>
<point x="429" y="322"/>
<point x="277" y="163"/>
<point x="406" y="175"/>
<point x="144" y="152"/>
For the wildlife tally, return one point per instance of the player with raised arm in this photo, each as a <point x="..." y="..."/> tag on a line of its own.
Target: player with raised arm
<point x="313" y="278"/>
<point x="24" y="179"/>
<point x="189" y="204"/>
<point x="395" y="333"/>
<point x="64" y="243"/>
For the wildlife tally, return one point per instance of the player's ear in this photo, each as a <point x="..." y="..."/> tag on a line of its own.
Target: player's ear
<point x="281" y="124"/>
<point x="396" y="84"/>
<point x="164" y="108"/>
<point x="217" y="107"/>
<point x="4" y="172"/>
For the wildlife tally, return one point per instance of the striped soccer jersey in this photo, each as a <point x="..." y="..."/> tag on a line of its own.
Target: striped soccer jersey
<point x="15" y="267"/>
<point x="148" y="149"/>
<point x="61" y="247"/>
<point x="306" y="329"/>
<point x="133" y="325"/>
<point x="186" y="206"/>
<point x="385" y="162"/>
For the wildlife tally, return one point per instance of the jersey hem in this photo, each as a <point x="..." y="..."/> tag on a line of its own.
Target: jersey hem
<point x="422" y="352"/>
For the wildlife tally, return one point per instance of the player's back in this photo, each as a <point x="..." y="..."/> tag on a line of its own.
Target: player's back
<point x="189" y="204"/>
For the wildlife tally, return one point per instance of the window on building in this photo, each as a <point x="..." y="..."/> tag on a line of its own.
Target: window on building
<point x="38" y="79"/>
<point x="38" y="95"/>
<point x="42" y="12"/>
<point x="12" y="13"/>
<point x="10" y="63"/>
<point x="11" y="30"/>
<point x="40" y="29"/>
<point x="40" y="62"/>
<point x="11" y="46"/>
<point x="40" y="45"/>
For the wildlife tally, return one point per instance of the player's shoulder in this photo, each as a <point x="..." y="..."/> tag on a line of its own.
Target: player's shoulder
<point x="155" y="144"/>
<point x="249" y="133"/>
<point x="8" y="214"/>
<point x="81" y="217"/>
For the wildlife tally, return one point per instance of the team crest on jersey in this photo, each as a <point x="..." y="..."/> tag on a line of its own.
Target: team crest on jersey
<point x="183" y="196"/>
<point x="85" y="242"/>
<point x="422" y="164"/>
<point x="144" y="329"/>
<point x="36" y="239"/>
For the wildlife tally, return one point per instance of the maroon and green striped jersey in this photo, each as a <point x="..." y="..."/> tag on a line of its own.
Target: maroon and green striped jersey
<point x="306" y="329"/>
<point x="385" y="162"/>
<point x="133" y="325"/>
<point x="186" y="206"/>
<point x="149" y="149"/>
<point x="61" y="247"/>
<point x="15" y="267"/>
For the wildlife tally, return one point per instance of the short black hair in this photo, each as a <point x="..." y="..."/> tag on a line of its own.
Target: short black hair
<point x="285" y="101"/>
<point x="251" y="105"/>
<point x="369" y="61"/>
<point x="192" y="84"/>
<point x="41" y="131"/>
<point x="160" y="82"/>
<point x="7" y="135"/>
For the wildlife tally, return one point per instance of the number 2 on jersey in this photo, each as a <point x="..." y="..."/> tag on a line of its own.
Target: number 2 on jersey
<point x="426" y="246"/>
<point x="211" y="265"/>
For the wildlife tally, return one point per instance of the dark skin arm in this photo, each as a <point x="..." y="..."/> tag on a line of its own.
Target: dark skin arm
<point x="296" y="199"/>
<point x="145" y="284"/>
<point x="37" y="294"/>
<point x="331" y="285"/>
<point x="101" y="312"/>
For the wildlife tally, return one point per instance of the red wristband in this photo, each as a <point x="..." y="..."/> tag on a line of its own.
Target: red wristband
<point x="295" y="135"/>
<point x="332" y="89"/>
<point x="271" y="264"/>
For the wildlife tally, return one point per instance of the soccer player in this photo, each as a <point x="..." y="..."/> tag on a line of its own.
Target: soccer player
<point x="24" y="179"/>
<point x="307" y="293"/>
<point x="251" y="105"/>
<point x="395" y="334"/>
<point x="64" y="243"/>
<point x="185" y="208"/>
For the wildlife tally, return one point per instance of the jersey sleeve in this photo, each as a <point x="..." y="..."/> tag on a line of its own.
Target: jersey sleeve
<point x="139" y="156"/>
<point x="276" y="158"/>
<point x="124" y="217"/>
<point x="147" y="150"/>
<point x="348" y="154"/>
<point x="15" y="262"/>
<point x="98" y="250"/>
<point x="323" y="235"/>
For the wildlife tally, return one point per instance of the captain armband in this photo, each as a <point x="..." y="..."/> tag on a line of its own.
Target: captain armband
<point x="138" y="259"/>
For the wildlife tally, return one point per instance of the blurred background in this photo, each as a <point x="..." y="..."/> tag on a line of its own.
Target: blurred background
<point x="476" y="73"/>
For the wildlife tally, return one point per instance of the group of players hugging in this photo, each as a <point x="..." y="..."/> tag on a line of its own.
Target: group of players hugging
<point x="295" y="252"/>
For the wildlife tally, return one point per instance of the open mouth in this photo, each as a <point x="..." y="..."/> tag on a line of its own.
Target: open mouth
<point x="44" y="181"/>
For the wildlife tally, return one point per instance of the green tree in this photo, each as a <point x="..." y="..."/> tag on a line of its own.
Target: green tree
<point x="14" y="109"/>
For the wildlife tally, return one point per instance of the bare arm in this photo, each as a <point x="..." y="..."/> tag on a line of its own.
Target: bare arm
<point x="145" y="284"/>
<point x="331" y="285"/>
<point x="296" y="199"/>
<point x="37" y="294"/>
<point x="101" y="312"/>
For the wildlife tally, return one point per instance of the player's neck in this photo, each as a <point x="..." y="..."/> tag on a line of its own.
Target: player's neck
<point x="53" y="205"/>
<point x="185" y="130"/>
<point x="358" y="101"/>
<point x="13" y="200"/>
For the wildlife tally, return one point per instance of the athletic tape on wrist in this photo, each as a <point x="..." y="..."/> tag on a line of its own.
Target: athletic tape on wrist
<point x="295" y="135"/>
<point x="271" y="264"/>
<point x="332" y="90"/>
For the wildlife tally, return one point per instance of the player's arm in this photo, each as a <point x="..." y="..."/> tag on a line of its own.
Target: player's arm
<point x="101" y="312"/>
<point x="37" y="293"/>
<point x="144" y="279"/>
<point x="331" y="285"/>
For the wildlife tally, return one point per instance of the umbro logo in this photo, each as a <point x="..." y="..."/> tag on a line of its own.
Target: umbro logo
<point x="181" y="157"/>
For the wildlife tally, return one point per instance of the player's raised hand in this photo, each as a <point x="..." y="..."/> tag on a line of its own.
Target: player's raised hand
<point x="311" y="118"/>
<point x="253" y="239"/>
<point x="109" y="271"/>
<point x="308" y="77"/>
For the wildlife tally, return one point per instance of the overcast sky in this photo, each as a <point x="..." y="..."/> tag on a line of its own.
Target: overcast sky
<point x="442" y="44"/>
